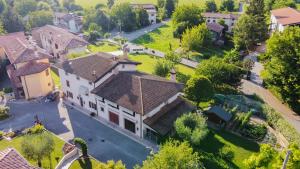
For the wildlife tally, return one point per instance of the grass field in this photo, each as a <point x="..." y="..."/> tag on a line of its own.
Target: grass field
<point x="56" y="155"/>
<point x="56" y="79"/>
<point x="103" y="47"/>
<point x="240" y="147"/>
<point x="159" y="39"/>
<point x="148" y="63"/>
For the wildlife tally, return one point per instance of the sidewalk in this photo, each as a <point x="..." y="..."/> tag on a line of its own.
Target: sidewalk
<point x="143" y="142"/>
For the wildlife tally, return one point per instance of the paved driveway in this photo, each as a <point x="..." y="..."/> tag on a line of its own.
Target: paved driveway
<point x="104" y="143"/>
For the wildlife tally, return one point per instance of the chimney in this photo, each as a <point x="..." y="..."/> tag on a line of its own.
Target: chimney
<point x="173" y="75"/>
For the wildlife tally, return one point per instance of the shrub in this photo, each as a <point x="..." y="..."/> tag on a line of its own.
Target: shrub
<point x="10" y="134"/>
<point x="226" y="153"/>
<point x="162" y="68"/>
<point x="7" y="90"/>
<point x="191" y="127"/>
<point x="4" y="112"/>
<point x="257" y="132"/>
<point x="38" y="128"/>
<point x="83" y="145"/>
<point x="1" y="134"/>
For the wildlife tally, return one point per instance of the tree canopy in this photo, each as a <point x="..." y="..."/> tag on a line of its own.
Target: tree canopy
<point x="244" y="35"/>
<point x="40" y="18"/>
<point x="191" y="127"/>
<point x="210" y="6"/>
<point x="23" y="7"/>
<point x="124" y="16"/>
<point x="196" y="38"/>
<point x="173" y="154"/>
<point x="227" y="5"/>
<point x="282" y="71"/>
<point x="199" y="88"/>
<point x="169" y="7"/>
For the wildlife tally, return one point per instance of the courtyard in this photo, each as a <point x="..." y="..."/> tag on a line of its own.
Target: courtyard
<point x="104" y="143"/>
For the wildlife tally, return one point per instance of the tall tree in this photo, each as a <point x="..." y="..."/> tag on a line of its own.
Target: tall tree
<point x="210" y="6"/>
<point x="227" y="5"/>
<point x="244" y="35"/>
<point x="2" y="30"/>
<point x="169" y="7"/>
<point x="2" y="5"/>
<point x="12" y="22"/>
<point x="196" y="38"/>
<point x="160" y="3"/>
<point x="43" y="6"/>
<point x="142" y="17"/>
<point x="171" y="155"/>
<point x="282" y="71"/>
<point x="199" y="89"/>
<point x="283" y="3"/>
<point x="37" y="146"/>
<point x="110" y="3"/>
<point x="256" y="10"/>
<point x="23" y="7"/>
<point x="99" y="17"/>
<point x="124" y="16"/>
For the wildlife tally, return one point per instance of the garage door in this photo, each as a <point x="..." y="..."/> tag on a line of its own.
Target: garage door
<point x="114" y="118"/>
<point x="129" y="125"/>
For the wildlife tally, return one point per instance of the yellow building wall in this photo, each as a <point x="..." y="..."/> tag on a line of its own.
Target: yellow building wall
<point x="36" y="85"/>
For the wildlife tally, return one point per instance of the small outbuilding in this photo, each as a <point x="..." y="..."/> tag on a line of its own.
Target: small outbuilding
<point x="218" y="115"/>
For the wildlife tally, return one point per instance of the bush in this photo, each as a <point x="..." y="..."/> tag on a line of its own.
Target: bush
<point x="256" y="132"/>
<point x="7" y="90"/>
<point x="36" y="129"/>
<point x="162" y="68"/>
<point x="1" y="134"/>
<point x="4" y="112"/>
<point x="191" y="127"/>
<point x="83" y="145"/>
<point x="226" y="153"/>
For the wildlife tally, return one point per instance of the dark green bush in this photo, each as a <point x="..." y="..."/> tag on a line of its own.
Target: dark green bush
<point x="83" y="145"/>
<point x="256" y="132"/>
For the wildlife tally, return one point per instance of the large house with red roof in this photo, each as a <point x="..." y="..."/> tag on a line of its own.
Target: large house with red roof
<point x="29" y="68"/>
<point x="111" y="88"/>
<point x="284" y="17"/>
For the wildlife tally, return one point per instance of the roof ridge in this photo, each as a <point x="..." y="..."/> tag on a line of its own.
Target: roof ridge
<point x="141" y="92"/>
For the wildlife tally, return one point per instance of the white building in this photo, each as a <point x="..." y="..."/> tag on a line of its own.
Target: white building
<point x="230" y="19"/>
<point x="283" y="17"/>
<point x="69" y="21"/>
<point x="143" y="104"/>
<point x="58" y="42"/>
<point x="151" y="10"/>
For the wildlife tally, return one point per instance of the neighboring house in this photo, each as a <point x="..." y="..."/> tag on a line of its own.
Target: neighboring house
<point x="69" y="21"/>
<point x="29" y="68"/>
<point x="216" y="30"/>
<point x="218" y="115"/>
<point x="11" y="159"/>
<point x="114" y="90"/>
<point x="58" y="41"/>
<point x="284" y="17"/>
<point x="230" y="19"/>
<point x="151" y="10"/>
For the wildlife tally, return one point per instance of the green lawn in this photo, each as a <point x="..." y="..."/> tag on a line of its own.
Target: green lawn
<point x="148" y="63"/>
<point x="240" y="147"/>
<point x="159" y="39"/>
<point x="298" y="6"/>
<point x="103" y="47"/>
<point x="89" y="163"/>
<point x="56" y="155"/>
<point x="56" y="79"/>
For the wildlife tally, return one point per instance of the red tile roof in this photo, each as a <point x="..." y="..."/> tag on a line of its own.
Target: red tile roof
<point x="19" y="49"/>
<point x="32" y="67"/>
<point x="220" y="15"/>
<point x="60" y="36"/>
<point x="286" y="16"/>
<point x="11" y="159"/>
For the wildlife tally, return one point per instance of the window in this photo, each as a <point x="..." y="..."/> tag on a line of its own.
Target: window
<point x="102" y="100"/>
<point x="102" y="109"/>
<point x="232" y="24"/>
<point x="69" y="94"/>
<point x="214" y="20"/>
<point x="66" y="73"/>
<point x="68" y="83"/>
<point x="56" y="46"/>
<point x="93" y="105"/>
<point x="91" y="83"/>
<point x="208" y="20"/>
<point x="47" y="72"/>
<point x="77" y="77"/>
<point x="123" y="66"/>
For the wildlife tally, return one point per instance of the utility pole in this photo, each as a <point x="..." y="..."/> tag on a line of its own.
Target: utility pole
<point x="286" y="159"/>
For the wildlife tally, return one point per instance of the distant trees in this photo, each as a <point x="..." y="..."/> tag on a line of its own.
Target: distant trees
<point x="210" y="6"/>
<point x="142" y="17"/>
<point x="173" y="154"/>
<point x="282" y="72"/>
<point x="186" y="16"/>
<point x="99" y="17"/>
<point x="198" y="89"/>
<point x="191" y="127"/>
<point x="110" y="3"/>
<point x="37" y="146"/>
<point x="12" y="22"/>
<point x="227" y="5"/>
<point x="2" y="6"/>
<point x="40" y="18"/>
<point x="243" y="36"/>
<point x="124" y="16"/>
<point x="196" y="38"/>
<point x="169" y="7"/>
<point x="23" y="7"/>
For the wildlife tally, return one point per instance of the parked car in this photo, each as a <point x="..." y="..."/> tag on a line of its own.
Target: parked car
<point x="52" y="96"/>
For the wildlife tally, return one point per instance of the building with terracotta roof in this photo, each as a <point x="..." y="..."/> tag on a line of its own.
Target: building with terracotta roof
<point x="11" y="159"/>
<point x="58" y="42"/>
<point x="230" y="19"/>
<point x="284" y="17"/>
<point x="150" y="9"/>
<point x="29" y="68"/>
<point x="69" y="21"/>
<point x="114" y="90"/>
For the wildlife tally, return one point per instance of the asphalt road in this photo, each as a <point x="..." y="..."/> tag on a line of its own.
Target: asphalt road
<point x="104" y="143"/>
